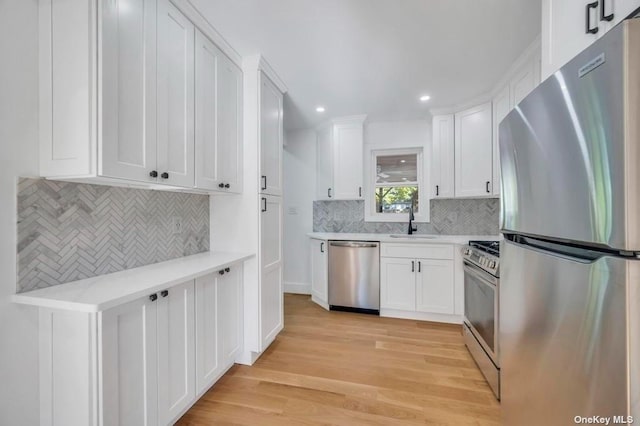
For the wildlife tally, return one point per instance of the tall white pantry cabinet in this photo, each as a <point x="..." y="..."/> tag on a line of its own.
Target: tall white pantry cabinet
<point x="257" y="213"/>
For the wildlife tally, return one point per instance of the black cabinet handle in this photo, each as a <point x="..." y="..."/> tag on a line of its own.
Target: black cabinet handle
<point x="604" y="17"/>
<point x="419" y="266"/>
<point x="360" y="191"/>
<point x="322" y="247"/>
<point x="590" y="6"/>
<point x="153" y="297"/>
<point x="153" y="174"/>
<point x="264" y="182"/>
<point x="164" y="293"/>
<point x="227" y="185"/>
<point x="413" y="266"/>
<point x="227" y="269"/>
<point x="264" y="204"/>
<point x="487" y="187"/>
<point x="165" y="175"/>
<point x="221" y="185"/>
<point x="221" y="272"/>
<point x="437" y="190"/>
<point x="329" y="192"/>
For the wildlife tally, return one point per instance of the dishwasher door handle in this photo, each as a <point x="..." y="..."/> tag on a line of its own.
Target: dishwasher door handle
<point x="353" y="244"/>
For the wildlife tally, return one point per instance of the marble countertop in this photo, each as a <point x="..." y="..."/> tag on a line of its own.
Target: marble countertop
<point x="106" y="291"/>
<point x="417" y="238"/>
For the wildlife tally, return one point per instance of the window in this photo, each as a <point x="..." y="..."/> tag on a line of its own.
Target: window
<point x="395" y="178"/>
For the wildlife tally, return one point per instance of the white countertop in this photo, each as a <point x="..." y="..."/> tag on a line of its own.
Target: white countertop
<point x="106" y="291"/>
<point x="386" y="238"/>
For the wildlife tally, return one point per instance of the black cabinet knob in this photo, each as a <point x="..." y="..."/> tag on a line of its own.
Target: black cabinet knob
<point x="221" y="185"/>
<point x="221" y="272"/>
<point x="227" y="269"/>
<point x="153" y="297"/>
<point x="165" y="175"/>
<point x="164" y="293"/>
<point x="226" y="185"/>
<point x="153" y="174"/>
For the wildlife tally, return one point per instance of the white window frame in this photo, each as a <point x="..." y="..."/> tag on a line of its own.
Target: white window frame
<point x="370" y="214"/>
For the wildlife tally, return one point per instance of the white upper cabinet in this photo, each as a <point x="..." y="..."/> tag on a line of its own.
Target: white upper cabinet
<point x="324" y="163"/>
<point x="473" y="152"/>
<point x="442" y="165"/>
<point x="501" y="107"/>
<point x="339" y="149"/>
<point x="128" y="92"/>
<point x="271" y="137"/>
<point x="175" y="108"/>
<point x="218" y="119"/>
<point x="570" y="26"/>
<point x="118" y="97"/>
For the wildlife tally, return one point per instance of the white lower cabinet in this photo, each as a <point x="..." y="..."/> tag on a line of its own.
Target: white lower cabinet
<point x="144" y="362"/>
<point x="319" y="273"/>
<point x="148" y="354"/>
<point x="176" y="351"/>
<point x="416" y="287"/>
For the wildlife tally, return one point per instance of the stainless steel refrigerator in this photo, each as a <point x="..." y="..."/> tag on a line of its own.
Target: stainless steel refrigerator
<point x="570" y="269"/>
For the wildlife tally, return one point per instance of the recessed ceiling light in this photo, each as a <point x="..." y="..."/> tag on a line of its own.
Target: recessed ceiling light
<point x="403" y="161"/>
<point x="320" y="109"/>
<point x="424" y="98"/>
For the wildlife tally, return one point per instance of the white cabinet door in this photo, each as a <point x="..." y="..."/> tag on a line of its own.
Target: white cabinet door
<point x="218" y="125"/>
<point x="128" y="90"/>
<point x="564" y="32"/>
<point x="435" y="286"/>
<point x="230" y="314"/>
<point x="324" y="164"/>
<point x="207" y="57"/>
<point x="176" y="101"/>
<point x="176" y="351"/>
<point x="347" y="161"/>
<point x="208" y="342"/>
<point x="270" y="137"/>
<point x="128" y="364"/>
<point x="442" y="159"/>
<point x="229" y="156"/>
<point x="473" y="147"/>
<point x="523" y="83"/>
<point x="397" y="283"/>
<point x="501" y="107"/>
<point x="319" y="271"/>
<point x="271" y="295"/>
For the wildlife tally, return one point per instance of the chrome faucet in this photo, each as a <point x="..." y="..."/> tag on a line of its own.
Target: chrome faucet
<point x="412" y="228"/>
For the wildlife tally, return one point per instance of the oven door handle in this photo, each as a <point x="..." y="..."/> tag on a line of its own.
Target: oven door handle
<point x="483" y="276"/>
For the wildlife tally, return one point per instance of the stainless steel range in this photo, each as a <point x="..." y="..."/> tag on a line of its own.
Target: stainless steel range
<point x="481" y="292"/>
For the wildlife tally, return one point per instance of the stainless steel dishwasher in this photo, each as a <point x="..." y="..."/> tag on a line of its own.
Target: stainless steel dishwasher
<point x="354" y="276"/>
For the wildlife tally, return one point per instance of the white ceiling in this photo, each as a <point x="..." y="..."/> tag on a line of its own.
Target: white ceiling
<point x="377" y="57"/>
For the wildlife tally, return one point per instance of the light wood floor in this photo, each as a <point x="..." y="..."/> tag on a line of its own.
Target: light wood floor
<point x="351" y="369"/>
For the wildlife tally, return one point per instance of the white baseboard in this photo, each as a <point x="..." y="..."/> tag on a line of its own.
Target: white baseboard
<point x="421" y="316"/>
<point x="296" y="288"/>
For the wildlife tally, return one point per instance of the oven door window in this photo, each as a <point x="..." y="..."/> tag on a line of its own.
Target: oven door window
<point x="480" y="307"/>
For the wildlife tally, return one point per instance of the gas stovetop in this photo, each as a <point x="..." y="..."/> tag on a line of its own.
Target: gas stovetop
<point x="485" y="255"/>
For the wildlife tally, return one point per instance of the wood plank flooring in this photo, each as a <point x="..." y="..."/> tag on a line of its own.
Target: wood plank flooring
<point x="333" y="368"/>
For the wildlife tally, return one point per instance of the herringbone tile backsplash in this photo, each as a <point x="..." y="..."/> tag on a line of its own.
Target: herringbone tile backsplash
<point x="69" y="231"/>
<point x="448" y="217"/>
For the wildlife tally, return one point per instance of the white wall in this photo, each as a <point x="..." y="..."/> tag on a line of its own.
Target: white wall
<point x="18" y="157"/>
<point x="299" y="193"/>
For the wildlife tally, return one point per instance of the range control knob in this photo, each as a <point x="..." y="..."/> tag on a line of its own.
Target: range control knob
<point x="492" y="264"/>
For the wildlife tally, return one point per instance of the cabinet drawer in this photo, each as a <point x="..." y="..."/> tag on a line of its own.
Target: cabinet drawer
<point x="423" y="251"/>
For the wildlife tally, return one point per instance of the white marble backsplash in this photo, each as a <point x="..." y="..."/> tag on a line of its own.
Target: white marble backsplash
<point x="448" y="217"/>
<point x="69" y="231"/>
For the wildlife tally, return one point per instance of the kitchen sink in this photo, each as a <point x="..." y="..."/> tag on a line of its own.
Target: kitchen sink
<point x="413" y="236"/>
